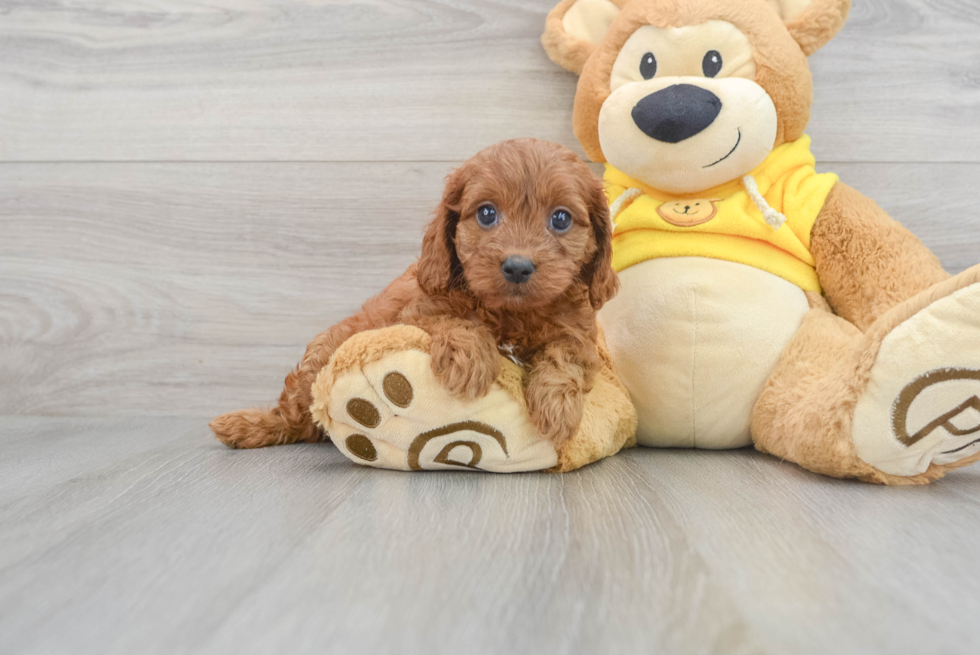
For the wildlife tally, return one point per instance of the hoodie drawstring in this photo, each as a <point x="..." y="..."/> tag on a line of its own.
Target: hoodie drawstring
<point x="773" y="218"/>
<point x="624" y="199"/>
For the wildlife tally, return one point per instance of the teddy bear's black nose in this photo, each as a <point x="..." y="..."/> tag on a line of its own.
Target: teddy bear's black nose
<point x="676" y="113"/>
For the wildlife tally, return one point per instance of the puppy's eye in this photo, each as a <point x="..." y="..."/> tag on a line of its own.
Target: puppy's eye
<point x="712" y="64"/>
<point x="561" y="221"/>
<point x="486" y="216"/>
<point x="648" y="66"/>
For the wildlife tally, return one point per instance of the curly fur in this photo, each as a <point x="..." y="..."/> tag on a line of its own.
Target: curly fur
<point x="458" y="294"/>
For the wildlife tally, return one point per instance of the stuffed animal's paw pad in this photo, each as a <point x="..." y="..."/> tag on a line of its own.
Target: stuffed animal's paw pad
<point x="398" y="391"/>
<point x="393" y="413"/>
<point x="922" y="404"/>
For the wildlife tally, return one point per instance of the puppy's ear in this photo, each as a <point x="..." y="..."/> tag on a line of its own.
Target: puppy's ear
<point x="439" y="268"/>
<point x="813" y="23"/>
<point x="598" y="273"/>
<point x="574" y="28"/>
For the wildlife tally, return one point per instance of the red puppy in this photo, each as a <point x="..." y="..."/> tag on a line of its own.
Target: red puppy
<point x="518" y="259"/>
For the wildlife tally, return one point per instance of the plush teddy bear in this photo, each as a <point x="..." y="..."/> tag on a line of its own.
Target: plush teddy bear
<point x="762" y="302"/>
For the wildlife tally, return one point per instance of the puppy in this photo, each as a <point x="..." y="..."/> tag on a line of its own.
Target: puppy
<point x="516" y="260"/>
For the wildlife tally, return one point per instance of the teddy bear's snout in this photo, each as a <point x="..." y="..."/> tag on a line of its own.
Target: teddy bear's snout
<point x="676" y="113"/>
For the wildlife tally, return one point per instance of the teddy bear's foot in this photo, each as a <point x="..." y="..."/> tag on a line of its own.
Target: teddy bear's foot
<point x="382" y="406"/>
<point x="921" y="408"/>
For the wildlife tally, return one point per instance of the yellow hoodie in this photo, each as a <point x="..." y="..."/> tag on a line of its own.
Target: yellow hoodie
<point x="726" y="222"/>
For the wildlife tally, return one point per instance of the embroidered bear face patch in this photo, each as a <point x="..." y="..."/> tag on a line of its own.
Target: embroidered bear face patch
<point x="688" y="213"/>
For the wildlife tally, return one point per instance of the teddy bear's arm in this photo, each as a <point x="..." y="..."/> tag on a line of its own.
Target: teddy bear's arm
<point x="866" y="261"/>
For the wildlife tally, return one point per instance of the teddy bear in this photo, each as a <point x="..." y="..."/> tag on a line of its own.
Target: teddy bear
<point x="762" y="303"/>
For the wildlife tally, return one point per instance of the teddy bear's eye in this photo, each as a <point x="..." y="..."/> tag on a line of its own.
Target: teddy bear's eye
<point x="648" y="66"/>
<point x="712" y="64"/>
<point x="486" y="216"/>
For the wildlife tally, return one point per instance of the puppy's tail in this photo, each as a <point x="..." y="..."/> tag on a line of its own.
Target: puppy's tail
<point x="258" y="428"/>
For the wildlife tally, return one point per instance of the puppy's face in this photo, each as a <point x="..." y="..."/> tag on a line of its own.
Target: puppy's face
<point x="521" y="223"/>
<point x="525" y="230"/>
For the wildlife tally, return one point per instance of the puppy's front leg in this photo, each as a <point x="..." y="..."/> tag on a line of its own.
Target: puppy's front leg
<point x="464" y="357"/>
<point x="559" y="378"/>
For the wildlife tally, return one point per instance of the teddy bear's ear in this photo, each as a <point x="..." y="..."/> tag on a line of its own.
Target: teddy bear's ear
<point x="574" y="28"/>
<point x="813" y="23"/>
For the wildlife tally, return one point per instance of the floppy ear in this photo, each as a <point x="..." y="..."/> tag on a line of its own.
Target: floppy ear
<point x="813" y="23"/>
<point x="439" y="268"/>
<point x="574" y="28"/>
<point x="598" y="273"/>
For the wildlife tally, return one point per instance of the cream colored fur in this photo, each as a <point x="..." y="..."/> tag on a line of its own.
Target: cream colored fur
<point x="674" y="331"/>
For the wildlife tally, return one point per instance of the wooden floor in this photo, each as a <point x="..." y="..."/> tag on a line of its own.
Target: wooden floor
<point x="190" y="190"/>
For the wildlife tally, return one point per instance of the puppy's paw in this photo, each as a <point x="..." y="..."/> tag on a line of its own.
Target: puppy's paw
<point x="465" y="363"/>
<point x="555" y="407"/>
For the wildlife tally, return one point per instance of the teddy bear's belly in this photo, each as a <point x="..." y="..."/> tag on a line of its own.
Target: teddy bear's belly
<point x="694" y="340"/>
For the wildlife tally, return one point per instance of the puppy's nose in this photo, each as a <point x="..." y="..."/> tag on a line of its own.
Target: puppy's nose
<point x="676" y="113"/>
<point x="517" y="269"/>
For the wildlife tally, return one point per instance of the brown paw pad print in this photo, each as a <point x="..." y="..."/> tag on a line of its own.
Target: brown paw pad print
<point x="360" y="446"/>
<point x="398" y="391"/>
<point x="454" y="453"/>
<point x="462" y="444"/>
<point x="958" y="421"/>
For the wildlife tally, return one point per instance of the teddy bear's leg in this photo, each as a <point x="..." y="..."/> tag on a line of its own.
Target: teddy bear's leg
<point x="804" y="412"/>
<point x="383" y="407"/>
<point x="866" y="261"/>
<point x="897" y="404"/>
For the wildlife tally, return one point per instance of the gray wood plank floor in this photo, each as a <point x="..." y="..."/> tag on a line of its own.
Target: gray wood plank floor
<point x="127" y="535"/>
<point x="190" y="190"/>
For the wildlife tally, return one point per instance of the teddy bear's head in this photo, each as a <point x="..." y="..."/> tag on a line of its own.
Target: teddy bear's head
<point x="685" y="95"/>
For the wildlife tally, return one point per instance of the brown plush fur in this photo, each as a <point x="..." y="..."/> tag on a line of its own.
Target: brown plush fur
<point x="868" y="263"/>
<point x="875" y="275"/>
<point x="812" y="29"/>
<point x="805" y="412"/>
<point x="819" y="23"/>
<point x="568" y="52"/>
<point x="457" y="293"/>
